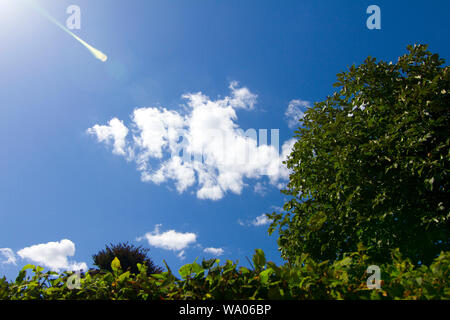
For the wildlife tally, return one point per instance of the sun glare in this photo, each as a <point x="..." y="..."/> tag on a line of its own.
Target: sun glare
<point x="9" y="9"/>
<point x="6" y="4"/>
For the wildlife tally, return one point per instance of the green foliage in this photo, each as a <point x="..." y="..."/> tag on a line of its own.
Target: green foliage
<point x="371" y="165"/>
<point x="304" y="279"/>
<point x="369" y="180"/>
<point x="129" y="257"/>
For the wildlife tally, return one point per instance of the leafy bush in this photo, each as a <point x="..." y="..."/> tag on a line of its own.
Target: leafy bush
<point x="304" y="279"/>
<point x="371" y="165"/>
<point x="129" y="256"/>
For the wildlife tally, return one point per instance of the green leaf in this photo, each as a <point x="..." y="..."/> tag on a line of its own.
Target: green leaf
<point x="28" y="266"/>
<point x="142" y="268"/>
<point x="189" y="269"/>
<point x="265" y="275"/>
<point x="206" y="264"/>
<point x="115" y="264"/>
<point x="159" y="276"/>
<point x="244" y="270"/>
<point x="196" y="268"/>
<point x="38" y="269"/>
<point x="21" y="276"/>
<point x="259" y="258"/>
<point x="124" y="276"/>
<point x="344" y="262"/>
<point x="167" y="266"/>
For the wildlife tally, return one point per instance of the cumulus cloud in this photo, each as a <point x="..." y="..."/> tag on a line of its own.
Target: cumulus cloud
<point x="201" y="148"/>
<point x="169" y="240"/>
<point x="8" y="256"/>
<point x="114" y="133"/>
<point x="296" y="111"/>
<point x="214" y="251"/>
<point x="53" y="255"/>
<point x="241" y="97"/>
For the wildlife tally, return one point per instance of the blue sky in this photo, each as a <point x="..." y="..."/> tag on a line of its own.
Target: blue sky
<point x="58" y="181"/>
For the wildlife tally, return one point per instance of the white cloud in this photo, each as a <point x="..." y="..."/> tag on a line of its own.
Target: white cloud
<point x="53" y="255"/>
<point x="9" y="255"/>
<point x="169" y="240"/>
<point x="115" y="132"/>
<point x="277" y="208"/>
<point x="241" y="97"/>
<point x="260" y="189"/>
<point x="203" y="148"/>
<point x="214" y="251"/>
<point x="181" y="255"/>
<point x="261" y="220"/>
<point x="296" y="111"/>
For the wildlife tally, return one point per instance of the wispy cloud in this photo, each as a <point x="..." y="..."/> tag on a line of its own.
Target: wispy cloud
<point x="9" y="255"/>
<point x="260" y="189"/>
<point x="53" y="255"/>
<point x="216" y="156"/>
<point x="261" y="220"/>
<point x="181" y="255"/>
<point x="296" y="111"/>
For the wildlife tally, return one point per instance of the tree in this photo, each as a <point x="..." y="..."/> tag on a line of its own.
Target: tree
<point x="371" y="165"/>
<point x="128" y="255"/>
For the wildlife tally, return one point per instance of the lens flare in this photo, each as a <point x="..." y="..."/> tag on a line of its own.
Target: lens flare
<point x="95" y="52"/>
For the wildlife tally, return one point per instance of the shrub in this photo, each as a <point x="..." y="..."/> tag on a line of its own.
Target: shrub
<point x="210" y="280"/>
<point x="129" y="256"/>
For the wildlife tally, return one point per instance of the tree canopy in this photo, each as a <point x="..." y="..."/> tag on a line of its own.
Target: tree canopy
<point x="371" y="164"/>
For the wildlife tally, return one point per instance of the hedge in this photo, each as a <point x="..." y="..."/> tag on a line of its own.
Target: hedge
<point x="305" y="279"/>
